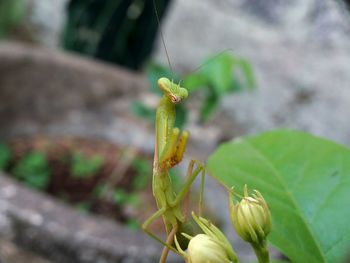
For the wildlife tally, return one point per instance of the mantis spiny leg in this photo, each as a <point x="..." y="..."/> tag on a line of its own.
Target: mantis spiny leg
<point x="169" y="241"/>
<point x="149" y="221"/>
<point x="191" y="176"/>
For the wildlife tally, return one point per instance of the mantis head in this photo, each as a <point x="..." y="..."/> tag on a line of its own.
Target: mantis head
<point x="173" y="91"/>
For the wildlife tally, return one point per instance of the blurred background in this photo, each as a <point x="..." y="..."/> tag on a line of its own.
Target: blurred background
<point x="78" y="95"/>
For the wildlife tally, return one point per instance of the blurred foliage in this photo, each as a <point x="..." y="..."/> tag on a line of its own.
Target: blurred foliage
<point x="219" y="75"/>
<point x="11" y="13"/>
<point x="33" y="169"/>
<point x="118" y="31"/>
<point x="143" y="169"/>
<point x="133" y="224"/>
<point x="5" y="156"/>
<point x="122" y="197"/>
<point x="82" y="166"/>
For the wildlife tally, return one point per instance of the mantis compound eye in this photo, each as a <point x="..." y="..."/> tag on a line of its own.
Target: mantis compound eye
<point x="175" y="99"/>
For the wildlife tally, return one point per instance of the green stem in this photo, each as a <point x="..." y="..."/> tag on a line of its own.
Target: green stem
<point x="261" y="252"/>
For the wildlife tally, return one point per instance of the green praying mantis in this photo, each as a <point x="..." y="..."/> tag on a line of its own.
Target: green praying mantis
<point x="169" y="150"/>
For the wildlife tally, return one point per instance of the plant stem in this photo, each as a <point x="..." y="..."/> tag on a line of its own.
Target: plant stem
<point x="261" y="252"/>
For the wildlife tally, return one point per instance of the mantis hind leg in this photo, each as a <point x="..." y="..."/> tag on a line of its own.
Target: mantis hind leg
<point x="149" y="221"/>
<point x="191" y="176"/>
<point x="169" y="241"/>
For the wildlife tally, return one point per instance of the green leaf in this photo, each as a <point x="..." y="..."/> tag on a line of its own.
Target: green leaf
<point x="120" y="196"/>
<point x="143" y="111"/>
<point x="11" y="14"/>
<point x="85" y="167"/>
<point x="133" y="224"/>
<point x="5" y="156"/>
<point x="143" y="167"/>
<point x="218" y="71"/>
<point x="306" y="182"/>
<point x="195" y="81"/>
<point x="181" y="116"/>
<point x="100" y="190"/>
<point x="209" y="106"/>
<point x="83" y="207"/>
<point x="248" y="73"/>
<point x="34" y="170"/>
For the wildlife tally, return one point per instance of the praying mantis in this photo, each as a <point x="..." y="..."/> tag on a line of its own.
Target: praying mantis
<point x="170" y="146"/>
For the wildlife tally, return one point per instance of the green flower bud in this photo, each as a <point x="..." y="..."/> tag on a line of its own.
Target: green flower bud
<point x="251" y="217"/>
<point x="212" y="246"/>
<point x="202" y="249"/>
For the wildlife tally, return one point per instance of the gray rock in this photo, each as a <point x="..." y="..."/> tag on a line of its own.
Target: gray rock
<point x="46" y="20"/>
<point x="53" y="93"/>
<point x="300" y="51"/>
<point x="62" y="234"/>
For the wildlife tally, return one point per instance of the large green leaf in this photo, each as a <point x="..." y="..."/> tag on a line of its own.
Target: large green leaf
<point x="306" y="182"/>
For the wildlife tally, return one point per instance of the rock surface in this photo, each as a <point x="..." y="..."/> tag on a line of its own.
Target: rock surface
<point x="10" y="253"/>
<point x="45" y="20"/>
<point x="52" y="229"/>
<point x="300" y="51"/>
<point x="53" y="93"/>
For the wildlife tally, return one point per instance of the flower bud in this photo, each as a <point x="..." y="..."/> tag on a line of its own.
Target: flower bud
<point x="202" y="249"/>
<point x="251" y="217"/>
<point x="212" y="246"/>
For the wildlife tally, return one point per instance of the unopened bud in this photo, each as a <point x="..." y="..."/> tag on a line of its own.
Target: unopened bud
<point x="202" y="249"/>
<point x="251" y="217"/>
<point x="212" y="246"/>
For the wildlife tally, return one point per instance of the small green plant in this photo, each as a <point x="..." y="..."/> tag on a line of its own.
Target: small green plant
<point x="122" y="197"/>
<point x="33" y="169"/>
<point x="143" y="169"/>
<point x="5" y="156"/>
<point x="82" y="166"/>
<point x="11" y="13"/>
<point x="83" y="207"/>
<point x="133" y="224"/>
<point x="220" y="75"/>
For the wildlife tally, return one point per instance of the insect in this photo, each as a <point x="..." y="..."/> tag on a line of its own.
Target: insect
<point x="169" y="150"/>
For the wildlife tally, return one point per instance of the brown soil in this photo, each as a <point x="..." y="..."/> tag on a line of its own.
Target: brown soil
<point x="116" y="172"/>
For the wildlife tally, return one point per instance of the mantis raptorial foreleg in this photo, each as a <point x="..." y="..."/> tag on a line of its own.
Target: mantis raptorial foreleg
<point x="191" y="176"/>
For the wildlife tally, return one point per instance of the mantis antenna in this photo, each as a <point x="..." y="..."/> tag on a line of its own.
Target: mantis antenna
<point x="211" y="59"/>
<point x="167" y="53"/>
<point x="162" y="36"/>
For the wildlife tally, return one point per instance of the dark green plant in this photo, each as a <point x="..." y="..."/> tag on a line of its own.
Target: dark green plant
<point x="33" y="169"/>
<point x="83" y="207"/>
<point x="118" y="31"/>
<point x="11" y="13"/>
<point x="133" y="224"/>
<point x="143" y="169"/>
<point x="122" y="197"/>
<point x="220" y="75"/>
<point x="82" y="166"/>
<point x="5" y="156"/>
